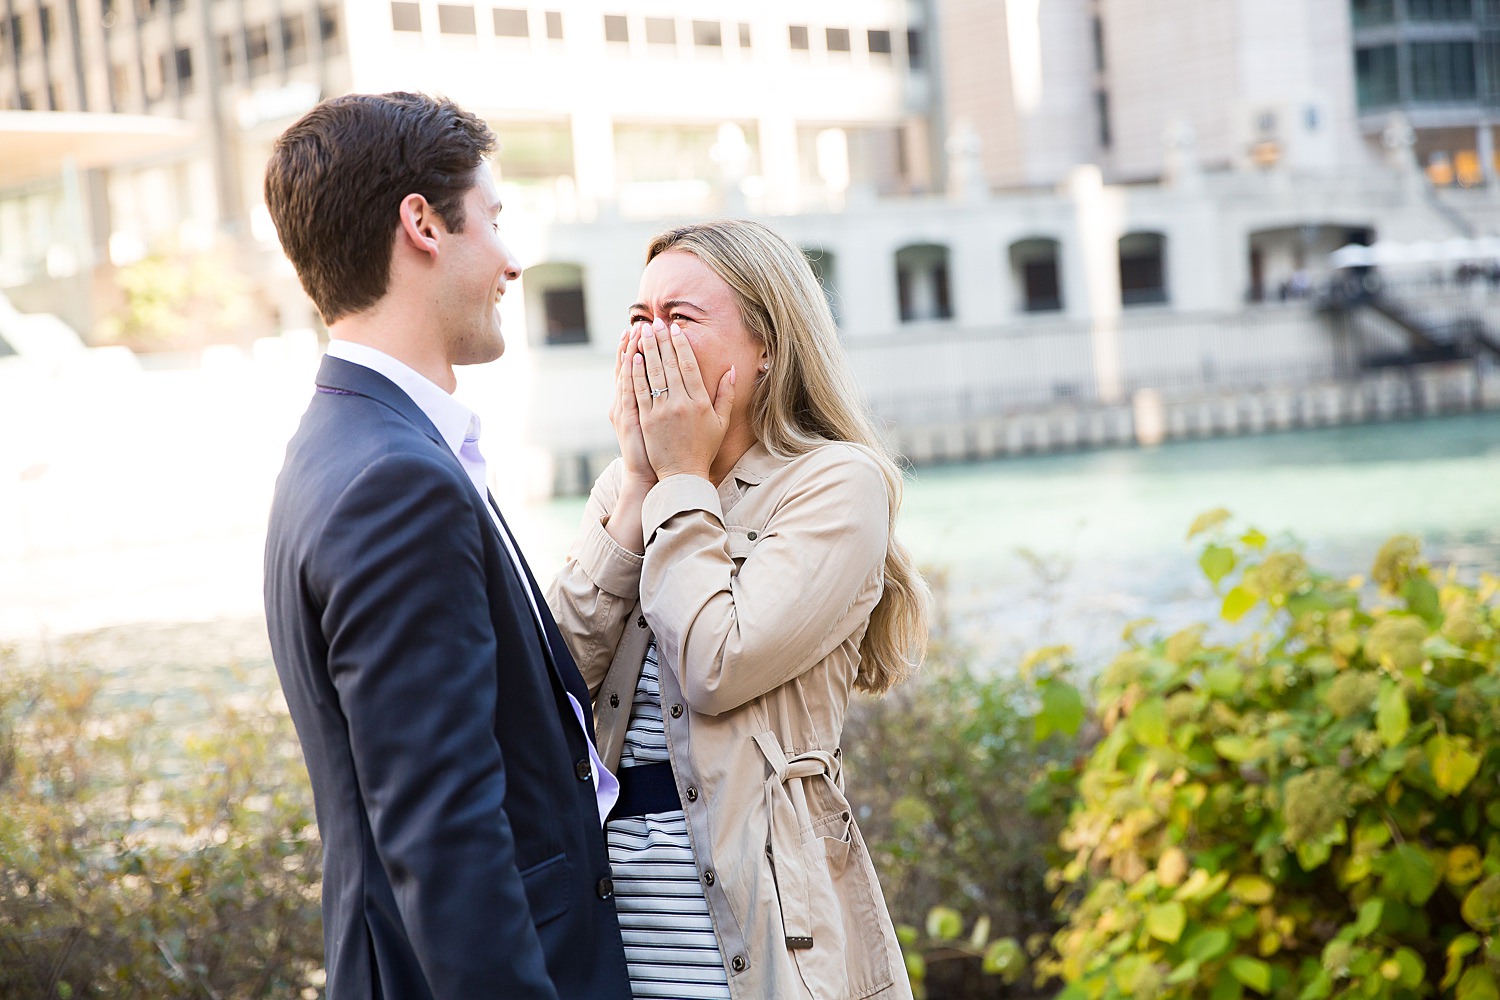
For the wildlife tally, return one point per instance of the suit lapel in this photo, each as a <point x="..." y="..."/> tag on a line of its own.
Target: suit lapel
<point x="559" y="658"/>
<point x="340" y="376"/>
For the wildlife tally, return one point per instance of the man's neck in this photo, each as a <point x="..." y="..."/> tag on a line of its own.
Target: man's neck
<point x="386" y="329"/>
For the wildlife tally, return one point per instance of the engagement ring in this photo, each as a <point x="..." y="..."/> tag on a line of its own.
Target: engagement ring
<point x="658" y="392"/>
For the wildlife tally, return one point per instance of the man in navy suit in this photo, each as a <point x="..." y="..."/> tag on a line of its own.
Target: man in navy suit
<point x="458" y="793"/>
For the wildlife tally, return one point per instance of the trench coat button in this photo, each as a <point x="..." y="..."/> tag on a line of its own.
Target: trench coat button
<point x="583" y="770"/>
<point x="640" y="622"/>
<point x="737" y="963"/>
<point x="708" y="876"/>
<point x="752" y="535"/>
<point x="676" y="711"/>
<point x="692" y="793"/>
<point x="614" y="701"/>
<point x="605" y="888"/>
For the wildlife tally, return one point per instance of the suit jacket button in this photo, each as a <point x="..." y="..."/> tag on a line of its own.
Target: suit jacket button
<point x="737" y="963"/>
<point x="583" y="770"/>
<point x="606" y="887"/>
<point x="752" y="535"/>
<point x="708" y="876"/>
<point x="692" y="794"/>
<point x="676" y="711"/>
<point x="640" y="622"/>
<point x="614" y="701"/>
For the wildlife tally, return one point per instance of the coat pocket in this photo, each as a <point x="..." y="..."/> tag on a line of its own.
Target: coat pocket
<point x="847" y="957"/>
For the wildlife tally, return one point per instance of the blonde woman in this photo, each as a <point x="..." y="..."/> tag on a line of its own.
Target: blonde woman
<point x="737" y="576"/>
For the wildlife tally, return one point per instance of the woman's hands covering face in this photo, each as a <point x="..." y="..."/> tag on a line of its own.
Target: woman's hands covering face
<point x="682" y="423"/>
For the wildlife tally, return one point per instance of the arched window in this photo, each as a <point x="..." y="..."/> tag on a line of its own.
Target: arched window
<point x="1034" y="272"/>
<point x="555" y="310"/>
<point x="922" y="290"/>
<point x="1143" y="268"/>
<point x="825" y="268"/>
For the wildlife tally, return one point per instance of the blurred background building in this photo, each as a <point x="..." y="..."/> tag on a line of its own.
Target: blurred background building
<point x="1013" y="204"/>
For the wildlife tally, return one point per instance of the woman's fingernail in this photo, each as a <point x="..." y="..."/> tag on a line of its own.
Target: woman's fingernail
<point x="657" y="324"/>
<point x="732" y="375"/>
<point x="676" y="329"/>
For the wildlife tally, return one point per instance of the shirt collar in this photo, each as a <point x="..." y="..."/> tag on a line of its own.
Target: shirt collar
<point x="453" y="420"/>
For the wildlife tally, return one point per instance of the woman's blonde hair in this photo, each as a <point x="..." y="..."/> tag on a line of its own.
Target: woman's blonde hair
<point x="808" y="398"/>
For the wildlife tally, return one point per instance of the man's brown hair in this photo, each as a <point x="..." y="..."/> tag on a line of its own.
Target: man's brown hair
<point x="337" y="177"/>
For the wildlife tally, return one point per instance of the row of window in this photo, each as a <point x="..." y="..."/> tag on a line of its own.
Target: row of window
<point x="1371" y="13"/>
<point x="1425" y="72"/>
<point x="923" y="289"/>
<point x="256" y="50"/>
<point x="509" y="22"/>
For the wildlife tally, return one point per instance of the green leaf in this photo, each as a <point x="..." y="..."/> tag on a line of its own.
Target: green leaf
<point x="1369" y="916"/>
<point x="916" y="967"/>
<point x="1165" y="921"/>
<point x="1208" y="520"/>
<point x="1477" y="984"/>
<point x="1453" y="763"/>
<point x="1481" y="907"/>
<point x="1319" y="987"/>
<point x="1392" y="716"/>
<point x="1252" y="972"/>
<point x="944" y="923"/>
<point x="1184" y="973"/>
<point x="1413" y="969"/>
<point x="1239" y="749"/>
<point x="1224" y="679"/>
<point x="980" y="935"/>
<point x="906" y="935"/>
<point x="1458" y="949"/>
<point x="1422" y="599"/>
<point x="1410" y="874"/>
<point x="1252" y="889"/>
<point x="1005" y="958"/>
<point x="1253" y="539"/>
<point x="1237" y="603"/>
<point x="1147" y="722"/>
<point x="1207" y="945"/>
<point x="1062" y="710"/>
<point x="1217" y="562"/>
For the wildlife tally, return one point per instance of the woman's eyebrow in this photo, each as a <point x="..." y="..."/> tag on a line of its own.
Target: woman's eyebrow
<point x="669" y="304"/>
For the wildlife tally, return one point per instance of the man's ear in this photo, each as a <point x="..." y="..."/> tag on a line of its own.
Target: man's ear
<point x="421" y="227"/>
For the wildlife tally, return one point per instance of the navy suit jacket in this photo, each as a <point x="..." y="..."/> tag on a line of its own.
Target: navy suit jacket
<point x="463" y="857"/>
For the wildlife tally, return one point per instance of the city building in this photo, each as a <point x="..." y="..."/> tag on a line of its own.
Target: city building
<point x="1014" y="205"/>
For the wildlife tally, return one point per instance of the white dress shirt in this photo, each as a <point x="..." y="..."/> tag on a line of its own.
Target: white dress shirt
<point x="459" y="428"/>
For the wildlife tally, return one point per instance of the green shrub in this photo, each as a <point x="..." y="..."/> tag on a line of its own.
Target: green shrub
<point x="1307" y="809"/>
<point x="138" y="863"/>
<point x="954" y="803"/>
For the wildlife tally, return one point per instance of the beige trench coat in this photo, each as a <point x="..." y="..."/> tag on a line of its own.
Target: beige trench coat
<point x="758" y="593"/>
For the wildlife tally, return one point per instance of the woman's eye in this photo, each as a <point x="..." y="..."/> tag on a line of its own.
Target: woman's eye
<point x="679" y="318"/>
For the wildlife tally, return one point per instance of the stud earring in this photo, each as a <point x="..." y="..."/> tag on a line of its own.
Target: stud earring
<point x="766" y="367"/>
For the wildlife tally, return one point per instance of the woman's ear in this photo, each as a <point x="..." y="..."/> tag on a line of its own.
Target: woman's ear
<point x="420" y="225"/>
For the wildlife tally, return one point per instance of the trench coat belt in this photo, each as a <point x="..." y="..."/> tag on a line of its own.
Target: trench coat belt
<point x="788" y="821"/>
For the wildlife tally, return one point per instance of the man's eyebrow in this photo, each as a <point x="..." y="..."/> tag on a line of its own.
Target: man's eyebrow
<point x="669" y="304"/>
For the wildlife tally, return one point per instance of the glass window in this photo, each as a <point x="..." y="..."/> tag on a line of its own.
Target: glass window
<point x="708" y="34"/>
<point x="916" y="55"/>
<point x="455" y="20"/>
<point x="1440" y="10"/>
<point x="1443" y="71"/>
<point x="328" y="29"/>
<point x="1376" y="83"/>
<point x="1369" y="13"/>
<point x="838" y="39"/>
<point x="1143" y="269"/>
<point x="405" y="16"/>
<point x="511" y="23"/>
<point x="797" y="37"/>
<point x="1101" y="106"/>
<point x="1098" y="33"/>
<point x="616" y="28"/>
<point x="922" y="287"/>
<point x="879" y="41"/>
<point x="1034" y="268"/>
<point x="183" y="63"/>
<point x="258" y="49"/>
<point x="661" y="31"/>
<point x="294" y="39"/>
<point x="744" y="35"/>
<point x="554" y="24"/>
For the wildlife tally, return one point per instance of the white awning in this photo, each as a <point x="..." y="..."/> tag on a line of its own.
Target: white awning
<point x="35" y="145"/>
